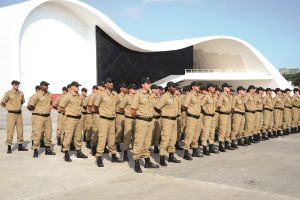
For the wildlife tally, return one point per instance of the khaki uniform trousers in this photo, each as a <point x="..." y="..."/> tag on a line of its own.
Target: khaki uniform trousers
<point x="63" y="123"/>
<point x="295" y="117"/>
<point x="238" y="123"/>
<point x="179" y="132"/>
<point x="83" y="120"/>
<point x="87" y="130"/>
<point x="119" y="127"/>
<point x="258" y="122"/>
<point x="107" y="132"/>
<point x="59" y="125"/>
<point x="213" y="128"/>
<point x="228" y="131"/>
<point x="208" y="122"/>
<point x="278" y="117"/>
<point x="182" y="119"/>
<point x="287" y="118"/>
<point x="142" y="139"/>
<point x="249" y="124"/>
<point x="73" y="129"/>
<point x="129" y="129"/>
<point x="192" y="133"/>
<point x="168" y="136"/>
<point x="95" y="129"/>
<point x="223" y="123"/>
<point x="267" y="121"/>
<point x="156" y="131"/>
<point x="14" y="120"/>
<point x="41" y="125"/>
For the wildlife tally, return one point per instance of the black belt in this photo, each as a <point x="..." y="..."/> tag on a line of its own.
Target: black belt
<point x="224" y="113"/>
<point x="193" y="116"/>
<point x="279" y="108"/>
<point x="217" y="111"/>
<point x="296" y="106"/>
<point x="75" y="117"/>
<point x="15" y="111"/>
<point x="149" y="119"/>
<point x="42" y="115"/>
<point x="240" y="113"/>
<point x="156" y="117"/>
<point x="107" y="118"/>
<point x="84" y="113"/>
<point x="288" y="107"/>
<point x="250" y="111"/>
<point x="168" y="117"/>
<point x="258" y="110"/>
<point x="210" y="115"/>
<point x="268" y="109"/>
<point x="119" y="113"/>
<point x="126" y="116"/>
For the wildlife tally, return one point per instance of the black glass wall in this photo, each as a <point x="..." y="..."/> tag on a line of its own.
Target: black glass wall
<point x="124" y="65"/>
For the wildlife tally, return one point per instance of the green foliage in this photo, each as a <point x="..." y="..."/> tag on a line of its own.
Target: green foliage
<point x="295" y="78"/>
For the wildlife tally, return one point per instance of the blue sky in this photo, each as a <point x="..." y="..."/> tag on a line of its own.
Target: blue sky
<point x="272" y="26"/>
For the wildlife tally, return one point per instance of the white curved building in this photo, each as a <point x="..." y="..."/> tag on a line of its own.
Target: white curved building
<point x="64" y="40"/>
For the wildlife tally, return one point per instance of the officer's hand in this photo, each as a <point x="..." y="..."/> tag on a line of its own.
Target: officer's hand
<point x="133" y="112"/>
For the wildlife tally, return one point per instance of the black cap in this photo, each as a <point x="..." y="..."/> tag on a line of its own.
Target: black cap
<point x="195" y="83"/>
<point x="171" y="84"/>
<point x="146" y="80"/>
<point x="153" y="86"/>
<point x="122" y="85"/>
<point x="186" y="88"/>
<point x="68" y="86"/>
<point x="44" y="83"/>
<point x="287" y="89"/>
<point x="101" y="83"/>
<point x="108" y="80"/>
<point x="260" y="89"/>
<point x="37" y="87"/>
<point x="226" y="85"/>
<point x="95" y="87"/>
<point x="75" y="83"/>
<point x="240" y="88"/>
<point x="84" y="90"/>
<point x="218" y="89"/>
<point x="251" y="87"/>
<point x="64" y="88"/>
<point x="160" y="88"/>
<point x="132" y="86"/>
<point x="15" y="82"/>
<point x="277" y="90"/>
<point x="296" y="89"/>
<point x="269" y="89"/>
<point x="210" y="85"/>
<point x="203" y="87"/>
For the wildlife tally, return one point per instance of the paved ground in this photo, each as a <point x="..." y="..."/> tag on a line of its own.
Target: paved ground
<point x="269" y="170"/>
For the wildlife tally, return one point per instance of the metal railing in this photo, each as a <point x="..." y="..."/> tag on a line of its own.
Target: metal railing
<point x="225" y="71"/>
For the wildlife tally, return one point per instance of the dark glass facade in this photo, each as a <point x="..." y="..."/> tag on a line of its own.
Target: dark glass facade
<point x="125" y="65"/>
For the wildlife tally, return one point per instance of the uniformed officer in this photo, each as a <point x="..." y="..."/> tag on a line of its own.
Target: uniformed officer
<point x="208" y="105"/>
<point x="267" y="115"/>
<point x="229" y="125"/>
<point x="71" y="106"/>
<point x="120" y="117"/>
<point x="224" y="109"/>
<point x="192" y="107"/>
<point x="179" y="99"/>
<point x="238" y="118"/>
<point x="295" y="110"/>
<point x="37" y="88"/>
<point x="186" y="90"/>
<point x="287" y="112"/>
<point x="250" y="108"/>
<point x="155" y="96"/>
<point x="278" y="112"/>
<point x="258" y="96"/>
<point x="142" y="110"/>
<point x="129" y="122"/>
<point x="215" y="127"/>
<point x="105" y="102"/>
<point x="167" y="106"/>
<point x="40" y="106"/>
<point x="84" y="112"/>
<point x="13" y="101"/>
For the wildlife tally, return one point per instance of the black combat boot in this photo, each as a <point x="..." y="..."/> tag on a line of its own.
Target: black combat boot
<point x="84" y="137"/>
<point x="162" y="161"/>
<point x="81" y="155"/>
<point x="156" y="150"/>
<point x="228" y="146"/>
<point x="118" y="147"/>
<point x="21" y="148"/>
<point x="67" y="156"/>
<point x="9" y="149"/>
<point x="279" y="133"/>
<point x="258" y="137"/>
<point x="241" y="143"/>
<point x="196" y="153"/>
<point x="94" y="150"/>
<point x="35" y="153"/>
<point x="72" y="147"/>
<point x="42" y="143"/>
<point x="106" y="149"/>
<point x="221" y="148"/>
<point x="233" y="145"/>
<point x="177" y="146"/>
<point x="212" y="149"/>
<point x="270" y="135"/>
<point x="88" y="144"/>
<point x="205" y="151"/>
<point x="264" y="136"/>
<point x="59" y="141"/>
<point x="99" y="161"/>
<point x="125" y="157"/>
<point x="137" y="167"/>
<point x="115" y="159"/>
<point x="187" y="155"/>
<point x="289" y="131"/>
<point x="247" y="141"/>
<point x="49" y="152"/>
<point x="275" y="134"/>
<point x="173" y="159"/>
<point x="149" y="164"/>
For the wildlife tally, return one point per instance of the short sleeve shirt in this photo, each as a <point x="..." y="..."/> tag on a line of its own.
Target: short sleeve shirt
<point x="13" y="100"/>
<point x="142" y="104"/>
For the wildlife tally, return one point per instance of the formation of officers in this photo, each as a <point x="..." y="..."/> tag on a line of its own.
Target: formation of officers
<point x="138" y="118"/>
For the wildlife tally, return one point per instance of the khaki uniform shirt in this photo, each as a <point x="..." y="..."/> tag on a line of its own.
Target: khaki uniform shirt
<point x="296" y="101"/>
<point x="13" y="100"/>
<point x="83" y="108"/>
<point x="208" y="104"/>
<point x="72" y="104"/>
<point x="249" y="101"/>
<point x="154" y="101"/>
<point x="278" y="102"/>
<point x="126" y="104"/>
<point x="224" y="103"/>
<point x="57" y="100"/>
<point x="168" y="105"/>
<point x="85" y="103"/>
<point x="268" y="102"/>
<point x="238" y="104"/>
<point x="41" y="102"/>
<point x="106" y="103"/>
<point x="142" y="104"/>
<point x="258" y="102"/>
<point x="92" y="100"/>
<point x="288" y="101"/>
<point x="120" y="97"/>
<point x="192" y="103"/>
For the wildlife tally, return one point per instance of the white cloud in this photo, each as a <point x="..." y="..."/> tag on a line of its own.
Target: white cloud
<point x="170" y="1"/>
